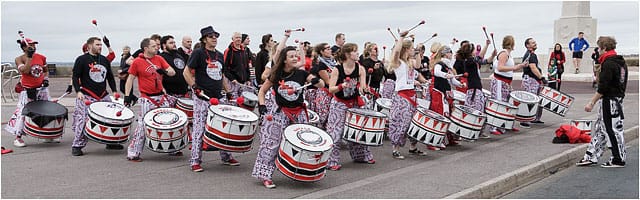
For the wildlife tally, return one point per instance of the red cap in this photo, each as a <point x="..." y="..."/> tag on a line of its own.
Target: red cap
<point x="30" y="41"/>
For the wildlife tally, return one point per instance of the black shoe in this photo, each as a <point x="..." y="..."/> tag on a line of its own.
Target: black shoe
<point x="525" y="125"/>
<point x="76" y="151"/>
<point x="417" y="152"/>
<point x="114" y="146"/>
<point x="537" y="122"/>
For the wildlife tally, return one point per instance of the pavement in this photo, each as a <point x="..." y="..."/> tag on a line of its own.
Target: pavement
<point x="43" y="170"/>
<point x="588" y="182"/>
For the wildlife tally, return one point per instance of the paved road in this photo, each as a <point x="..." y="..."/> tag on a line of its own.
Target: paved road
<point x="49" y="171"/>
<point x="588" y="182"/>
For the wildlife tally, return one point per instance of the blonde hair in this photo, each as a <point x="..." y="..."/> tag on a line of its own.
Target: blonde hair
<point x="368" y="49"/>
<point x="438" y="57"/>
<point x="434" y="47"/>
<point x="406" y="47"/>
<point x="508" y="42"/>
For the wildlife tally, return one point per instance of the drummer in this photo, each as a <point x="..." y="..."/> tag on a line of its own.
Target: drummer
<point x="175" y="86"/>
<point x="149" y="68"/>
<point x="474" y="97"/>
<point x="285" y="81"/>
<point x="404" y="104"/>
<point x="320" y="98"/>
<point x="35" y="80"/>
<point x="346" y="95"/>
<point x="503" y="75"/>
<point x="532" y="78"/>
<point x="91" y="72"/>
<point x="441" y="95"/>
<point x="208" y="79"/>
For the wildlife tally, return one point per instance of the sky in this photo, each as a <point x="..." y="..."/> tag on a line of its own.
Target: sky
<point x="62" y="27"/>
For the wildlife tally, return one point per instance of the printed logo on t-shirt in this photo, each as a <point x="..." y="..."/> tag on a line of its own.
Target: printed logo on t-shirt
<point x="214" y="70"/>
<point x="351" y="90"/>
<point x="178" y="63"/>
<point x="411" y="76"/>
<point x="97" y="73"/>
<point x="283" y="90"/>
<point x="36" y="71"/>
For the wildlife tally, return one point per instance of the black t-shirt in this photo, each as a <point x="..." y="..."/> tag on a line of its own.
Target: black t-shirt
<point x="208" y="67"/>
<point x="315" y="70"/>
<point x="174" y="84"/>
<point x="424" y="70"/>
<point x="471" y="68"/>
<point x="352" y="92"/>
<point x="262" y="58"/>
<point x="376" y="76"/>
<point x="459" y="66"/>
<point x="388" y="75"/>
<point x="533" y="59"/>
<point x="183" y="54"/>
<point x="93" y="73"/>
<point x="291" y="81"/>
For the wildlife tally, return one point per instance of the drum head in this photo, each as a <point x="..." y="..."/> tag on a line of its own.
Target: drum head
<point x="524" y="96"/>
<point x="165" y="118"/>
<point x="249" y="96"/>
<point x="109" y="109"/>
<point x="44" y="108"/>
<point x="384" y="102"/>
<point x="234" y="113"/>
<point x="469" y="110"/>
<point x="308" y="137"/>
<point x="433" y="115"/>
<point x="366" y="112"/>
<point x="459" y="95"/>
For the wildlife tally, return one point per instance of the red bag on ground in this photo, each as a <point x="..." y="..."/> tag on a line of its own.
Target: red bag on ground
<point x="570" y="134"/>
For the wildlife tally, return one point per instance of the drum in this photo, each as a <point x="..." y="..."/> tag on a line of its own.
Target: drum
<point x="466" y="122"/>
<point x="584" y="125"/>
<point x="314" y="118"/>
<point x="44" y="119"/>
<point x="166" y="130"/>
<point x="487" y="93"/>
<point x="419" y="93"/>
<point x="250" y="100"/>
<point x="423" y="103"/>
<point x="119" y="100"/>
<point x="230" y="128"/>
<point x="527" y="104"/>
<point x="186" y="106"/>
<point x="428" y="127"/>
<point x="383" y="105"/>
<point x="304" y="152"/>
<point x="364" y="126"/>
<point x="103" y="126"/>
<point x="555" y="101"/>
<point x="459" y="97"/>
<point x="500" y="114"/>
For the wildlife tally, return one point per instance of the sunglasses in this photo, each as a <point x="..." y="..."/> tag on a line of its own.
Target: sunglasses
<point x="211" y="36"/>
<point x="325" y="48"/>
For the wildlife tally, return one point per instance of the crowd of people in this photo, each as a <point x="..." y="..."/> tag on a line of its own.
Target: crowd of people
<point x="340" y="79"/>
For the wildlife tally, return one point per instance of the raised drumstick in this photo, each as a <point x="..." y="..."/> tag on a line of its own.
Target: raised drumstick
<point x="493" y="41"/>
<point x="301" y="29"/>
<point x="484" y="29"/>
<point x="421" y="23"/>
<point x="432" y="36"/>
<point x="394" y="36"/>
<point x="384" y="52"/>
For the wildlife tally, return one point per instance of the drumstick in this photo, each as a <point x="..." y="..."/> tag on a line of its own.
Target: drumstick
<point x="421" y="23"/>
<point x="493" y="41"/>
<point x="95" y="23"/>
<point x="212" y="101"/>
<point x="484" y="29"/>
<point x="297" y="29"/>
<point x="369" y="73"/>
<point x="384" y="52"/>
<point x="463" y="75"/>
<point x="432" y="36"/>
<point x="394" y="36"/>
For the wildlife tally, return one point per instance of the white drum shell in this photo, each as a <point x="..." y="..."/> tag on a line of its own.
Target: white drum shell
<point x="527" y="104"/>
<point x="364" y="128"/>
<point x="231" y="131"/>
<point x="428" y="127"/>
<point x="300" y="160"/>
<point x="555" y="101"/>
<point x="466" y="122"/>
<point x="104" y="127"/>
<point x="500" y="114"/>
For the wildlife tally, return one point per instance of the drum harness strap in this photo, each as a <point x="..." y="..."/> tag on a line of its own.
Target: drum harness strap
<point x="156" y="103"/>
<point x="409" y="95"/>
<point x="93" y="94"/>
<point x="292" y="113"/>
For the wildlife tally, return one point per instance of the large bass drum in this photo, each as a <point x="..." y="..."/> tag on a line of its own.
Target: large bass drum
<point x="428" y="127"/>
<point x="304" y="152"/>
<point x="555" y="101"/>
<point x="105" y="127"/>
<point x="500" y="114"/>
<point x="364" y="126"/>
<point x="527" y="104"/>
<point x="466" y="122"/>
<point x="166" y="130"/>
<point x="230" y="128"/>
<point x="44" y="119"/>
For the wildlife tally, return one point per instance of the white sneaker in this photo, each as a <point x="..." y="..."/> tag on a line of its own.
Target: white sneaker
<point x="19" y="142"/>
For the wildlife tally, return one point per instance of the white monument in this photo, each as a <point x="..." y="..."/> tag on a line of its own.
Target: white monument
<point x="576" y="17"/>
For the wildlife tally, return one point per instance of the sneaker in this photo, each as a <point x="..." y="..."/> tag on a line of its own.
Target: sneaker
<point x="525" y="125"/>
<point x="397" y="155"/>
<point x="584" y="162"/>
<point x="514" y="129"/>
<point x="196" y="168"/>
<point x="335" y="167"/>
<point x="232" y="162"/>
<point x="76" y="151"/>
<point x="496" y="132"/>
<point x="176" y="153"/>
<point x="134" y="159"/>
<point x="577" y="70"/>
<point x="417" y="152"/>
<point x="268" y="184"/>
<point x="114" y="146"/>
<point x="19" y="142"/>
<point x="537" y="122"/>
<point x="432" y="148"/>
<point x="372" y="161"/>
<point x="611" y="165"/>
<point x="483" y="136"/>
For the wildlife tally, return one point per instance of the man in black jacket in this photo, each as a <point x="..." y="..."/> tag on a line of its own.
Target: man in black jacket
<point x="609" y="129"/>
<point x="236" y="62"/>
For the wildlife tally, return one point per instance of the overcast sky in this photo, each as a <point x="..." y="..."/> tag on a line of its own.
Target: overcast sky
<point x="62" y="27"/>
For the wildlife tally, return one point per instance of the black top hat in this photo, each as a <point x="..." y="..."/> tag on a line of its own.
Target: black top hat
<point x="208" y="30"/>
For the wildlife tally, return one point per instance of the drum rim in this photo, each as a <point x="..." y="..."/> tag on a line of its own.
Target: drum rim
<point x="211" y="107"/>
<point x="382" y="115"/>
<point x="565" y="94"/>
<point x="536" y="97"/>
<point x="183" y="99"/>
<point x="481" y="113"/>
<point x="65" y="114"/>
<point x="251" y="93"/>
<point x="503" y="103"/>
<point x="328" y="147"/>
<point x="424" y="111"/>
<point x="181" y="113"/>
